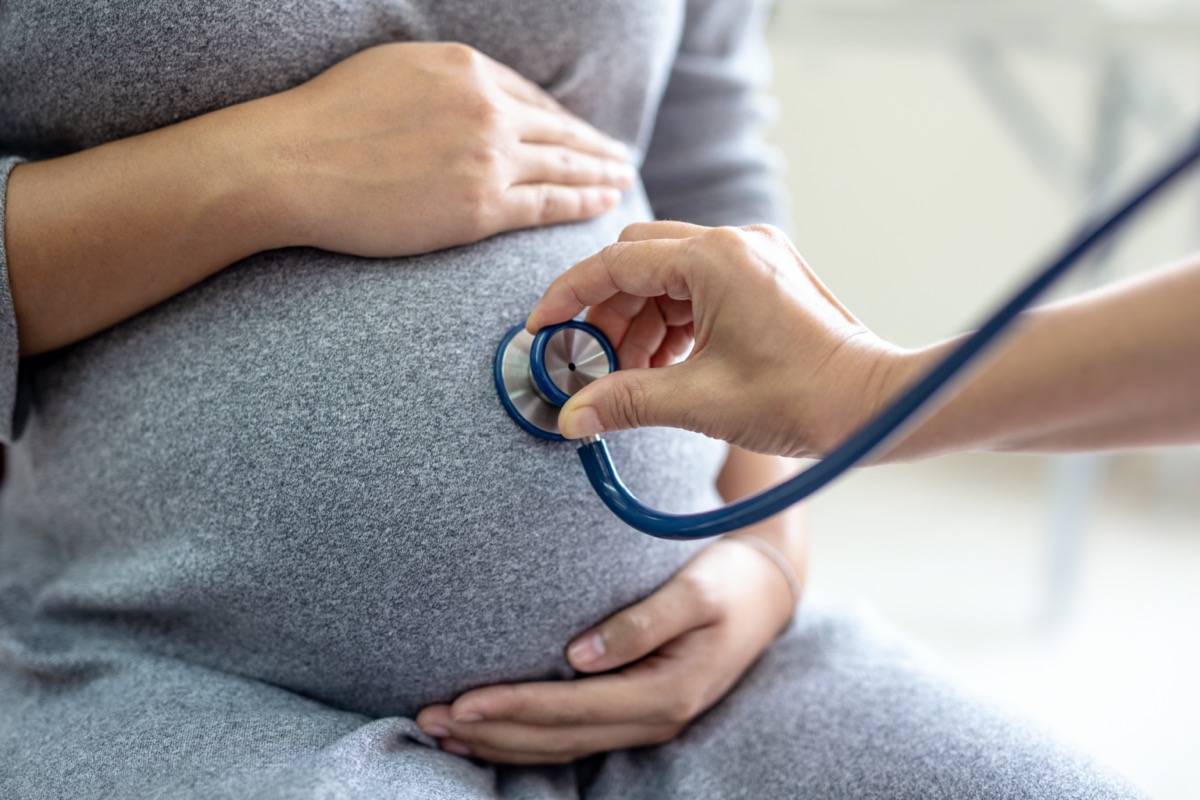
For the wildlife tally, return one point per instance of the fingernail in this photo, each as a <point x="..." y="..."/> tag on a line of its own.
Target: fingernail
<point x="436" y="731"/>
<point x="586" y="650"/>
<point x="470" y="716"/>
<point x="458" y="748"/>
<point x="624" y="174"/>
<point x="579" y="423"/>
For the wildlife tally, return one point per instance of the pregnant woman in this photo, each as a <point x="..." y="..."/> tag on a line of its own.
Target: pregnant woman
<point x="267" y="531"/>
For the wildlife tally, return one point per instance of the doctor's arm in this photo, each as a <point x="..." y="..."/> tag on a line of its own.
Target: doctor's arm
<point x="780" y="366"/>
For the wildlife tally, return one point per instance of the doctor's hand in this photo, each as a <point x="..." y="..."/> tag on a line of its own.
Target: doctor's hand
<point x="778" y="365"/>
<point x="654" y="667"/>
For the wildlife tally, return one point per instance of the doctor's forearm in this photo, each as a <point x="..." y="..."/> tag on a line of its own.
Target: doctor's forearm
<point x="1119" y="367"/>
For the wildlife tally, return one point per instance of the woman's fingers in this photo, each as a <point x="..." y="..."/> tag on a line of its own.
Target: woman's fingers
<point x="545" y="163"/>
<point x="601" y="700"/>
<point x="529" y="205"/>
<point x="539" y="126"/>
<point x="682" y="604"/>
<point x="516" y="743"/>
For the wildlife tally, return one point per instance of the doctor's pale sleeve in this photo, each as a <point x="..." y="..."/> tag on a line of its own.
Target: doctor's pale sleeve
<point x="708" y="161"/>
<point x="8" y="319"/>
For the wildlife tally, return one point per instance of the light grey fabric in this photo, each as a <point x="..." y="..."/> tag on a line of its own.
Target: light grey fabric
<point x="8" y="320"/>
<point x="838" y="708"/>
<point x="250" y="532"/>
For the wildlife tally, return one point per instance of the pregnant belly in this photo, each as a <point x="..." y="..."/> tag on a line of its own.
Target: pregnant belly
<point x="299" y="471"/>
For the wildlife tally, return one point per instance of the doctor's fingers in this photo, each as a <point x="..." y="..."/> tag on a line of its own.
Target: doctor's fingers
<point x="616" y="314"/>
<point x="641" y="398"/>
<point x="676" y="345"/>
<point x="642" y="339"/>
<point x="663" y="229"/>
<point x="650" y="268"/>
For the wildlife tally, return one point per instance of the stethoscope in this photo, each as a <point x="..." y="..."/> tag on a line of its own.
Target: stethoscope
<point x="536" y="374"/>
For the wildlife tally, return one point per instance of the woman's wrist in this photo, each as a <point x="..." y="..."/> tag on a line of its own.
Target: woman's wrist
<point x="781" y="546"/>
<point x="242" y="161"/>
<point x="97" y="236"/>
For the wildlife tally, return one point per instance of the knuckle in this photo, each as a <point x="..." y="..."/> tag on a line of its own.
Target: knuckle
<point x="479" y="204"/>
<point x="484" y="113"/>
<point x="704" y="593"/>
<point x="569" y="163"/>
<point x="765" y="230"/>
<point x="484" y="160"/>
<point x="613" y="253"/>
<point x="551" y="204"/>
<point x="666" y="733"/>
<point x="727" y="240"/>
<point x="461" y="55"/>
<point x="682" y="709"/>
<point x="628" y="400"/>
<point x="632" y="628"/>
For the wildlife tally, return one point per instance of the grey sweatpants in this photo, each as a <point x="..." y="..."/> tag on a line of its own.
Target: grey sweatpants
<point x="839" y="707"/>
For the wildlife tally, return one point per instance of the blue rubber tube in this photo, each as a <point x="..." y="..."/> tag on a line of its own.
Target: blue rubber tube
<point x="603" y="474"/>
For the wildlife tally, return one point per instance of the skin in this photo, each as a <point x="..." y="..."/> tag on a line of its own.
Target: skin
<point x="399" y="150"/>
<point x="787" y="369"/>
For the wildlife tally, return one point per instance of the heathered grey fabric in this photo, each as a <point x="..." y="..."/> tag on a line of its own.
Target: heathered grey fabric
<point x="250" y="532"/>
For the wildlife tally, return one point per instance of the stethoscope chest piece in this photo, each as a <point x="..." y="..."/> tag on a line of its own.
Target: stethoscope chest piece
<point x="536" y="375"/>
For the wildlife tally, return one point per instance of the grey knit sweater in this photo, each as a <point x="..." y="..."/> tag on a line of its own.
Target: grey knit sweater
<point x="286" y="502"/>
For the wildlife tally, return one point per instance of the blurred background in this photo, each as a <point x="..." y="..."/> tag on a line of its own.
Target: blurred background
<point x="937" y="150"/>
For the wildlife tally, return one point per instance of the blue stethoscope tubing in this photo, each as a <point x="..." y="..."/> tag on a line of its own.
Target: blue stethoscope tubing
<point x="602" y="474"/>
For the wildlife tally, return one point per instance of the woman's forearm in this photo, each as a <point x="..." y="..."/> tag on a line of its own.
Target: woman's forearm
<point x="401" y="149"/>
<point x="747" y="473"/>
<point x="95" y="237"/>
<point x="1119" y="367"/>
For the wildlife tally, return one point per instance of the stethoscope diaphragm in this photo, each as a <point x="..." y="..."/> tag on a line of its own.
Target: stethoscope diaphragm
<point x="536" y="375"/>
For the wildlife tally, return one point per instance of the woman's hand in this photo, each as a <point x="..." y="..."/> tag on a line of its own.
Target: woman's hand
<point x="778" y="365"/>
<point x="412" y="147"/>
<point x="664" y="661"/>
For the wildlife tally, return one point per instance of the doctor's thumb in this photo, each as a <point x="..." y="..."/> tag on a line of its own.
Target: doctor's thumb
<point x="635" y="398"/>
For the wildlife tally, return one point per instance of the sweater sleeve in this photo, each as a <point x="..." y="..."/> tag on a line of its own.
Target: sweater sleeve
<point x="8" y="320"/>
<point x="707" y="161"/>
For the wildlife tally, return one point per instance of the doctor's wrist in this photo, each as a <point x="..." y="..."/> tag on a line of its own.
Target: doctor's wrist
<point x="848" y="394"/>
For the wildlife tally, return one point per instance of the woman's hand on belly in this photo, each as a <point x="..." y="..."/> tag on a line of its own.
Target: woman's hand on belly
<point x="412" y="147"/>
<point x="665" y="661"/>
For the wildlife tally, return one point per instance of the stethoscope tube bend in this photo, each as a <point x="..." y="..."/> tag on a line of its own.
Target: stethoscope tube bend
<point x="602" y="473"/>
